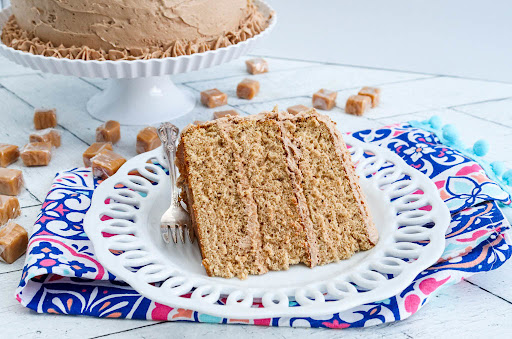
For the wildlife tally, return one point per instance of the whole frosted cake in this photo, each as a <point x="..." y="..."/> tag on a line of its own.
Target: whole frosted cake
<point x="129" y="29"/>
<point x="272" y="190"/>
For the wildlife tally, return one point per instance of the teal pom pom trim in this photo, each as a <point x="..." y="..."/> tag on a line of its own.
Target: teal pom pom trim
<point x="481" y="148"/>
<point x="449" y="136"/>
<point x="436" y="122"/>
<point x="507" y="177"/>
<point x="450" y="133"/>
<point x="498" y="168"/>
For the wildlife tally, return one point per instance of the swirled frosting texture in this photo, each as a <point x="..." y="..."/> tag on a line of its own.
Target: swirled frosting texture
<point x="129" y="29"/>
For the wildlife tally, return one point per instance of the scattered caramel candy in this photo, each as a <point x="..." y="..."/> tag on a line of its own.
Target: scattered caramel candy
<point x="223" y="114"/>
<point x="94" y="150"/>
<point x="297" y="109"/>
<point x="373" y="93"/>
<point x="36" y="154"/>
<point x="358" y="104"/>
<point x="9" y="208"/>
<point x="45" y="118"/>
<point x="46" y="135"/>
<point x="214" y="98"/>
<point x="8" y="154"/>
<point x="106" y="164"/>
<point x="11" y="181"/>
<point x="13" y="242"/>
<point x="147" y="140"/>
<point x="109" y="132"/>
<point x="324" y="99"/>
<point x="247" y="89"/>
<point x="257" y="66"/>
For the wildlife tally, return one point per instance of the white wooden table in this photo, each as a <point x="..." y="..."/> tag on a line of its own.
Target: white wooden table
<point x="479" y="306"/>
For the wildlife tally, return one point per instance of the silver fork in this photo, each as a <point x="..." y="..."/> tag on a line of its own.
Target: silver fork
<point x="175" y="221"/>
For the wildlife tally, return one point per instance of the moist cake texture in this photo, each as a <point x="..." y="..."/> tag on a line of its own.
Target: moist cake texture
<point x="272" y="190"/>
<point x="129" y="29"/>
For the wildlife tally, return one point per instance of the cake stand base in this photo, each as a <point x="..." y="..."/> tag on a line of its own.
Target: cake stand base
<point x="141" y="101"/>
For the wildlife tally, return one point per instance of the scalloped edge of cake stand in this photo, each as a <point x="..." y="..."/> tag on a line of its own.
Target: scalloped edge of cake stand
<point x="150" y="96"/>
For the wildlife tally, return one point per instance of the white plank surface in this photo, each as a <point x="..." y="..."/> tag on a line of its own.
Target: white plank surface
<point x="479" y="109"/>
<point x="465" y="38"/>
<point x="26" y="220"/>
<point x="294" y="83"/>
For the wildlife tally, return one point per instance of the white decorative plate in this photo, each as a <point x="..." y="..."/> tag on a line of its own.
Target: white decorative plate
<point x="409" y="214"/>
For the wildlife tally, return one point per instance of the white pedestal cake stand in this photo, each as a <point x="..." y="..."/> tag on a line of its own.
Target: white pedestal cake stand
<point x="140" y="92"/>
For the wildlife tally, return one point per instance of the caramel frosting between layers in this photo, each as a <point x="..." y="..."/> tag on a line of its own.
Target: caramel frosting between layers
<point x="147" y="29"/>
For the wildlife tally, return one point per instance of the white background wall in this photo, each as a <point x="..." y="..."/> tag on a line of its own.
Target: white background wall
<point x="467" y="38"/>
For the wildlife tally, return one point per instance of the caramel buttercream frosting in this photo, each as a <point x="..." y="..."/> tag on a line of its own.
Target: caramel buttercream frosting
<point x="131" y="29"/>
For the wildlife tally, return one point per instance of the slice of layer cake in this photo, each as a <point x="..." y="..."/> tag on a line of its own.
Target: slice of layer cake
<point x="272" y="190"/>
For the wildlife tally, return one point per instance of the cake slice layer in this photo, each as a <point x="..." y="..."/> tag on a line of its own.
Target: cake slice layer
<point x="283" y="238"/>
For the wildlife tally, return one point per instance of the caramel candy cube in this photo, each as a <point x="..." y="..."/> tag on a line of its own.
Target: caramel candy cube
<point x="223" y="114"/>
<point x="247" y="89"/>
<point x="45" y="118"/>
<point x="109" y="132"/>
<point x="8" y="154"/>
<point x="373" y="93"/>
<point x="36" y="154"/>
<point x="358" y="104"/>
<point x="257" y="66"/>
<point x="13" y="242"/>
<point x="106" y="164"/>
<point x="9" y="208"/>
<point x="297" y="109"/>
<point x="46" y="135"/>
<point x="94" y="150"/>
<point x="214" y="98"/>
<point x="147" y="140"/>
<point x="324" y="99"/>
<point x="11" y="181"/>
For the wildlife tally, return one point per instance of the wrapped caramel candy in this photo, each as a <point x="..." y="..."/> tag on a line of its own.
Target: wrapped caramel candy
<point x="11" y="181"/>
<point x="46" y="135"/>
<point x="324" y="99"/>
<point x="373" y="93"/>
<point x="13" y="242"/>
<point x="8" y="154"/>
<point x="110" y="131"/>
<point x="106" y="164"/>
<point x="358" y="104"/>
<point x="222" y="114"/>
<point x="247" y="89"/>
<point x="9" y="208"/>
<point x="147" y="140"/>
<point x="297" y="109"/>
<point x="36" y="154"/>
<point x="94" y="150"/>
<point x="214" y="98"/>
<point x="45" y="118"/>
<point x="257" y="66"/>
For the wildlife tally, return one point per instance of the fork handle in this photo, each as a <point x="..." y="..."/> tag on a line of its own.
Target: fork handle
<point x="168" y="134"/>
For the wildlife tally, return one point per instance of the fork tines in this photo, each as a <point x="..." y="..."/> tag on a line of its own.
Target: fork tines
<point x="175" y="231"/>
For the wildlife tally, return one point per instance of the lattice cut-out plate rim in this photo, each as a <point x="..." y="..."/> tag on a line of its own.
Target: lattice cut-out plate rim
<point x="229" y="298"/>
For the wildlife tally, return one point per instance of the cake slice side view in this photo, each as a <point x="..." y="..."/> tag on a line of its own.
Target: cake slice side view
<point x="272" y="190"/>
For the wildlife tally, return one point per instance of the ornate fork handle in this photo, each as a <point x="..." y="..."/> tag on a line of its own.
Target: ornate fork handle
<point x="168" y="134"/>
